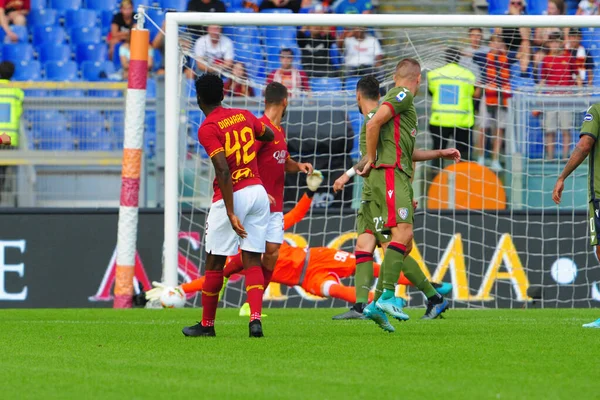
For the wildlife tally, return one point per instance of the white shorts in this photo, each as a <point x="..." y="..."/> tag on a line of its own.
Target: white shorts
<point x="275" y="228"/>
<point x="558" y="120"/>
<point x="251" y="206"/>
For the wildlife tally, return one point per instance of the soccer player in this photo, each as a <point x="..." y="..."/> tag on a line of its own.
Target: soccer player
<point x="239" y="214"/>
<point x="588" y="143"/>
<point x="390" y="141"/>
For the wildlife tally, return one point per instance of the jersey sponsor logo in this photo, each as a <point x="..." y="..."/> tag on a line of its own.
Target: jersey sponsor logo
<point x="240" y="174"/>
<point x="588" y="117"/>
<point x="390" y="193"/>
<point x="400" y="96"/>
<point x="403" y="212"/>
<point x="280" y="156"/>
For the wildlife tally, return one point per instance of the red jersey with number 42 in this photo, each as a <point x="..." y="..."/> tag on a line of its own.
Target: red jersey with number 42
<point x="271" y="163"/>
<point x="233" y="131"/>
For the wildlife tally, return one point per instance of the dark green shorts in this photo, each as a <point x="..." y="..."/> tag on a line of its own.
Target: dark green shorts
<point x="594" y="220"/>
<point x="367" y="223"/>
<point x="392" y="196"/>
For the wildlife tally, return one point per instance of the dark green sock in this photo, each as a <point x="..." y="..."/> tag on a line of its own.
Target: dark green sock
<point x="363" y="280"/>
<point x="379" y="286"/>
<point x="413" y="273"/>
<point x="393" y="261"/>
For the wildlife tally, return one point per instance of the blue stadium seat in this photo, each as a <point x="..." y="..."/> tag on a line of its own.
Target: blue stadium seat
<point x="179" y="5"/>
<point x="81" y="35"/>
<point x="81" y="18"/>
<point x="68" y="93"/>
<point x="251" y="56"/>
<point x="157" y="16"/>
<point x="61" y="6"/>
<point x="536" y="7"/>
<point x="350" y="83"/>
<point x="275" y="33"/>
<point x="325" y="84"/>
<point x="17" y="52"/>
<point x="144" y="3"/>
<point x="88" y="130"/>
<point x="28" y="71"/>
<point x="37" y="93"/>
<point x="116" y="123"/>
<point x="55" y="52"/>
<point x="106" y="18"/>
<point x="112" y="94"/>
<point x="49" y="131"/>
<point x="91" y="52"/>
<point x="189" y="89"/>
<point x="42" y="17"/>
<point x="497" y="7"/>
<point x="239" y="10"/>
<point x="151" y="88"/>
<point x="61" y="71"/>
<point x="103" y="4"/>
<point x="21" y="32"/>
<point x="96" y="71"/>
<point x="48" y="35"/>
<point x="38" y="4"/>
<point x="277" y="11"/>
<point x="245" y="34"/>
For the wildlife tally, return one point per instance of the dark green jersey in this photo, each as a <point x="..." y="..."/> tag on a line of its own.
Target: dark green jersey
<point x="591" y="127"/>
<point x="362" y="140"/>
<point x="397" y="136"/>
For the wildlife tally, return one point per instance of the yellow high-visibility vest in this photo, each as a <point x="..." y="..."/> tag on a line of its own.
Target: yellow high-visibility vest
<point x="452" y="87"/>
<point x="11" y="108"/>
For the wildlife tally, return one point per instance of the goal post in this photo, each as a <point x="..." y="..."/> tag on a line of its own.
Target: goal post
<point x="444" y="226"/>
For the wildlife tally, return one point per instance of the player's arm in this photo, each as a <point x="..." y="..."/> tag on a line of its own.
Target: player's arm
<point x="381" y="117"/>
<point x="294" y="166"/>
<point x="346" y="176"/>
<point x="297" y="214"/>
<point x="426" y="155"/>
<point x="262" y="132"/>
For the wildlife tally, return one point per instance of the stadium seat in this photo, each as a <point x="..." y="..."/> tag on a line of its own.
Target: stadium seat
<point x="96" y="71"/>
<point x="158" y="16"/>
<point x="144" y="3"/>
<point x="54" y="52"/>
<point x="106" y="18"/>
<point x="240" y="10"/>
<point x="325" y="84"/>
<point x="536" y="7"/>
<point x="245" y="34"/>
<point x="61" y="6"/>
<point x="88" y="130"/>
<point x="277" y="11"/>
<point x="48" y="35"/>
<point x="68" y="93"/>
<point x="179" y="5"/>
<point x="28" y="71"/>
<point x="38" y="4"/>
<point x="17" y="52"/>
<point x="151" y="89"/>
<point x="105" y="93"/>
<point x="42" y="17"/>
<point x="350" y="83"/>
<point x="91" y="52"/>
<point x="81" y="18"/>
<point x="61" y="71"/>
<point x="21" y="32"/>
<point x="81" y="35"/>
<point x="37" y="93"/>
<point x="49" y="131"/>
<point x="116" y="127"/>
<point x="100" y="5"/>
<point x="275" y="33"/>
<point x="251" y="56"/>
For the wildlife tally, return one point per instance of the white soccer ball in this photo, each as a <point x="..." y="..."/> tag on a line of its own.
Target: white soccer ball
<point x="172" y="297"/>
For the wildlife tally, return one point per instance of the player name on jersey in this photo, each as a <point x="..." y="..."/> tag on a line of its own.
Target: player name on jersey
<point x="229" y="121"/>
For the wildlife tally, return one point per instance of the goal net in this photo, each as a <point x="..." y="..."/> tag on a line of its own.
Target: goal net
<point x="487" y="225"/>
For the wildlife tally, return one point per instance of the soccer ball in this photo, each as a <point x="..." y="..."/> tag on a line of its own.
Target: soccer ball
<point x="172" y="297"/>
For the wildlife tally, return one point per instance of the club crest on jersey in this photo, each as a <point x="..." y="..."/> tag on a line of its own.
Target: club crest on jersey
<point x="400" y="96"/>
<point x="403" y="213"/>
<point x="390" y="193"/>
<point x="413" y="133"/>
<point x="588" y="117"/>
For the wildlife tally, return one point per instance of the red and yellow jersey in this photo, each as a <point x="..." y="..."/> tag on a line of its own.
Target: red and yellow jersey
<point x="233" y="131"/>
<point x="271" y="163"/>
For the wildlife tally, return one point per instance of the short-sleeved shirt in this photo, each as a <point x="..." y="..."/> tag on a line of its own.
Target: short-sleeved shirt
<point x="15" y="5"/>
<point x="352" y="7"/>
<point x="361" y="52"/>
<point x="362" y="142"/>
<point x="397" y="136"/>
<point x="214" y="53"/>
<point x="591" y="127"/>
<point x="233" y="131"/>
<point x="271" y="163"/>
<point x="559" y="70"/>
<point x="120" y="22"/>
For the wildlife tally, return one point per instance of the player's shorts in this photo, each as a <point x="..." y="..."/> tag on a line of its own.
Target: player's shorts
<point x="251" y="206"/>
<point x="497" y="117"/>
<point x="324" y="265"/>
<point x="366" y="223"/>
<point x="275" y="228"/>
<point x="554" y="120"/>
<point x="392" y="196"/>
<point x="594" y="219"/>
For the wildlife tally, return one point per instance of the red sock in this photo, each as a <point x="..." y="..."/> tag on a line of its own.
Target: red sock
<point x="255" y="288"/>
<point x="234" y="265"/>
<point x="267" y="275"/>
<point x="210" y="296"/>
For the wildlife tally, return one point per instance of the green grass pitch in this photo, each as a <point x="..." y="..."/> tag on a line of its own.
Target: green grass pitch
<point x="141" y="354"/>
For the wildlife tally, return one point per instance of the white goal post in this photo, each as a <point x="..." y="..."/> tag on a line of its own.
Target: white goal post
<point x="173" y="71"/>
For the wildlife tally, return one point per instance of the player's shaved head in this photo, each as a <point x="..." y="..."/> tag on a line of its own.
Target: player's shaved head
<point x="209" y="90"/>
<point x="275" y="93"/>
<point x="368" y="86"/>
<point x="408" y="69"/>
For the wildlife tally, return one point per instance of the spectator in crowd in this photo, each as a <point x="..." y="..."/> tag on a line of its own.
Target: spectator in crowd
<point x="452" y="88"/>
<point x="293" y="5"/>
<point x="541" y="35"/>
<point x="120" y="26"/>
<point x="125" y="56"/>
<point x="206" y="6"/>
<point x="583" y="62"/>
<point x="213" y="51"/>
<point x="517" y="40"/>
<point x="238" y="86"/>
<point x="158" y="44"/>
<point x="315" y="42"/>
<point x="362" y="52"/>
<point x="497" y="92"/>
<point x="558" y="70"/>
<point x="292" y="78"/>
<point x="352" y="7"/>
<point x="13" y="12"/>
<point x="588" y="7"/>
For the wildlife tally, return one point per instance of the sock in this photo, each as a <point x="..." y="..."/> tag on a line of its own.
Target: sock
<point x="267" y="275"/>
<point x="234" y="265"/>
<point x="210" y="296"/>
<point x="255" y="289"/>
<point x="378" y="288"/>
<point x="363" y="275"/>
<point x="413" y="272"/>
<point x="194" y="286"/>
<point x="392" y="265"/>
<point x="342" y="292"/>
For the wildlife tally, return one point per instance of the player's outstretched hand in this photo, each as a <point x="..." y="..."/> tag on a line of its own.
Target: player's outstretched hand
<point x="451" y="154"/>
<point x="366" y="170"/>
<point x="237" y="226"/>
<point x="156" y="291"/>
<point x="314" y="180"/>
<point x="558" y="190"/>
<point x="4" y="139"/>
<point x="340" y="183"/>
<point x="307" y="168"/>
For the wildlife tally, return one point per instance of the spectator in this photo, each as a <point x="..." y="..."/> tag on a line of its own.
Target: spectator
<point x="362" y="52"/>
<point x="158" y="44"/>
<point x="214" y="51"/>
<point x="517" y="40"/>
<point x="315" y="42"/>
<point x="238" y="86"/>
<point x="206" y="6"/>
<point x="497" y="92"/>
<point x="587" y="7"/>
<point x="13" y="12"/>
<point x="473" y="58"/>
<point x="292" y="78"/>
<point x="584" y="63"/>
<point x="125" y="56"/>
<point x="120" y="26"/>
<point x="352" y="7"/>
<point x="293" y="5"/>
<point x="541" y="35"/>
<point x="558" y="69"/>
<point x="453" y="88"/>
